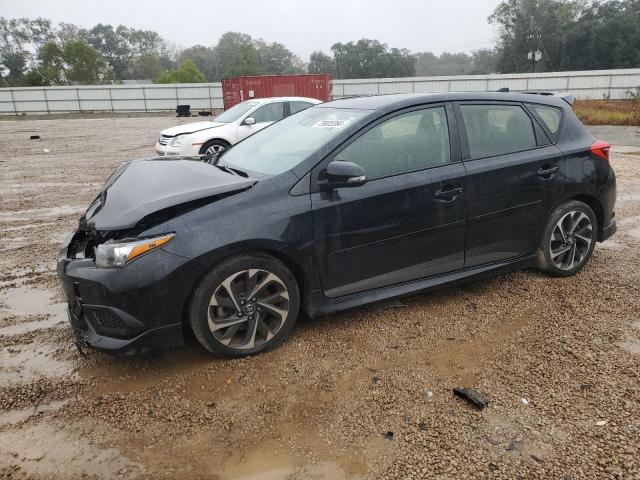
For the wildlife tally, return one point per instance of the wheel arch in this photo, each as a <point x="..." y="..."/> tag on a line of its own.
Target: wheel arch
<point x="597" y="208"/>
<point x="270" y="248"/>
<point x="214" y="139"/>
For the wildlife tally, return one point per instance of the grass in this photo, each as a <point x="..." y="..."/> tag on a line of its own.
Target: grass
<point x="608" y="112"/>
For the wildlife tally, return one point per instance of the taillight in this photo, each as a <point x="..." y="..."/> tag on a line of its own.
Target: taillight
<point x="600" y="149"/>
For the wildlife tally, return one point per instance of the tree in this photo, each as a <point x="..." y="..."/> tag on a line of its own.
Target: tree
<point x="320" y="62"/>
<point x="276" y="59"/>
<point x="19" y="38"/>
<point x="237" y="55"/>
<point x="204" y="58"/>
<point x="120" y="46"/>
<point x="186" y="73"/>
<point x="370" y="59"/>
<point x="532" y="25"/>
<point x="147" y="66"/>
<point x="485" y="60"/>
<point x="85" y="66"/>
<point x="50" y="70"/>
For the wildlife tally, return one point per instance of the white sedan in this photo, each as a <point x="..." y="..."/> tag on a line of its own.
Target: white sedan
<point x="230" y="127"/>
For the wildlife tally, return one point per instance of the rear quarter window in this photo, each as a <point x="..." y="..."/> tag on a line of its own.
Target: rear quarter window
<point x="551" y="117"/>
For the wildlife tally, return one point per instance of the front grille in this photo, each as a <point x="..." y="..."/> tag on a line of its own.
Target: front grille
<point x="164" y="139"/>
<point x="108" y="319"/>
<point x="81" y="246"/>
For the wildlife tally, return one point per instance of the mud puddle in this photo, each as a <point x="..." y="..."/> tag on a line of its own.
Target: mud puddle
<point x="56" y="451"/>
<point x="29" y="362"/>
<point x="36" y="213"/>
<point x="29" y="302"/>
<point x="12" y="417"/>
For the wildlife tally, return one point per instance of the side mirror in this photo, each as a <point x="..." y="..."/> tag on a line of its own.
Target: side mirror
<point x="249" y="121"/>
<point x="343" y="174"/>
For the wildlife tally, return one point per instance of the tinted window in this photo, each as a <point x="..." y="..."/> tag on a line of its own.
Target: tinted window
<point x="497" y="129"/>
<point x="297" y="106"/>
<point x="272" y="112"/>
<point x="550" y="116"/>
<point x="412" y="141"/>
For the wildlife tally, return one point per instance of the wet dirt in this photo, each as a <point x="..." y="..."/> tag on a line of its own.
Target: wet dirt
<point x="362" y="394"/>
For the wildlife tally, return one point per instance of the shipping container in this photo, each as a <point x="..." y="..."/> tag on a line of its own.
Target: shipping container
<point x="236" y="90"/>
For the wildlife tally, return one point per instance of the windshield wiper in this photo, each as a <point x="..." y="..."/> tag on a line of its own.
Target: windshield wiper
<point x="238" y="171"/>
<point x="224" y="168"/>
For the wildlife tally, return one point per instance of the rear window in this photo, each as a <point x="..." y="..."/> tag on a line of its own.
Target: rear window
<point x="295" y="107"/>
<point x="550" y="116"/>
<point x="497" y="129"/>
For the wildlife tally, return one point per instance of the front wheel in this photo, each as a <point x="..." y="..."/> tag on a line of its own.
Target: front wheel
<point x="213" y="147"/>
<point x="568" y="239"/>
<point x="245" y="305"/>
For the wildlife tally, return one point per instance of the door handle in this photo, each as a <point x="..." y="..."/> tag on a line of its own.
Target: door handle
<point x="447" y="195"/>
<point x="547" y="172"/>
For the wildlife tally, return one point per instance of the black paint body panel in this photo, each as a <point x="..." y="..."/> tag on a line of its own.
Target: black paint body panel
<point x="347" y="246"/>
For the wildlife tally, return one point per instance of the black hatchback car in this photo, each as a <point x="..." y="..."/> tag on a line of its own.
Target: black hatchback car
<point x="345" y="203"/>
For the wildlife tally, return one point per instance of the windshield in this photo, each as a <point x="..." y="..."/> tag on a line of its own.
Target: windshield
<point x="285" y="144"/>
<point x="235" y="112"/>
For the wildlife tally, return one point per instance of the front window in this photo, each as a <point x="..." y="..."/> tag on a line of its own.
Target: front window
<point x="405" y="143"/>
<point x="285" y="144"/>
<point x="235" y="112"/>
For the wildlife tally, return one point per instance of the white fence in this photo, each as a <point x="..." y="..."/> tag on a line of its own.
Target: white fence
<point x="110" y="98"/>
<point x="596" y="84"/>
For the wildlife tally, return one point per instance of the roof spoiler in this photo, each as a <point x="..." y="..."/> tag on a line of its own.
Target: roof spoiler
<point x="566" y="96"/>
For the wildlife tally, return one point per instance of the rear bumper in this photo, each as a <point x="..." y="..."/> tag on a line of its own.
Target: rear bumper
<point x="609" y="230"/>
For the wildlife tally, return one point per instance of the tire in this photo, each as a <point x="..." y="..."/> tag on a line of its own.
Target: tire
<point x="568" y="239"/>
<point x="255" y="323"/>
<point x="216" y="146"/>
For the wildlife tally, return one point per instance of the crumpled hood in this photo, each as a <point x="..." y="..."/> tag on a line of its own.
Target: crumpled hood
<point x="142" y="187"/>
<point x="189" y="128"/>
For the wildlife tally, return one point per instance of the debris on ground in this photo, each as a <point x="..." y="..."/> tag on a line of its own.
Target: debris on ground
<point x="477" y="400"/>
<point x="34" y="137"/>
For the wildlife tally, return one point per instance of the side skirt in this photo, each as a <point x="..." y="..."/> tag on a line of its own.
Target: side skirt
<point x="318" y="304"/>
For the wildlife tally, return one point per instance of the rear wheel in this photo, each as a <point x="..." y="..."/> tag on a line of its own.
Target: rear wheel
<point x="568" y="239"/>
<point x="213" y="147"/>
<point x="245" y="305"/>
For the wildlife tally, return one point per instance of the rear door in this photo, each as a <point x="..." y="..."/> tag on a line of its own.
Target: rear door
<point x="515" y="176"/>
<point x="408" y="220"/>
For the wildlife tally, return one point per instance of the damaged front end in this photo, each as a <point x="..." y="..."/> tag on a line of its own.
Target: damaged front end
<point x="125" y="292"/>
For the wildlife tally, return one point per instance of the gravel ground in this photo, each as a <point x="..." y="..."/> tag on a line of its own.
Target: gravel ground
<point x="363" y="394"/>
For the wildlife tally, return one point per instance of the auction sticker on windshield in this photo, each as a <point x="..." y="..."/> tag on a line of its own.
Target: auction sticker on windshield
<point x="330" y="124"/>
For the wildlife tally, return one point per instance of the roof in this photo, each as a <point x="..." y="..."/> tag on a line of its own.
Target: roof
<point x="281" y="99"/>
<point x="400" y="100"/>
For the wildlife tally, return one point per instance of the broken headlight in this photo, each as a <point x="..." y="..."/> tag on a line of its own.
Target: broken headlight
<point x="117" y="253"/>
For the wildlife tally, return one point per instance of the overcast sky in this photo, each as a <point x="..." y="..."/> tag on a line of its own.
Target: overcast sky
<point x="302" y="25"/>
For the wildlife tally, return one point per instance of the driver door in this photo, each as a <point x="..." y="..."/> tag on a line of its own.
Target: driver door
<point x="263" y="116"/>
<point x="408" y="220"/>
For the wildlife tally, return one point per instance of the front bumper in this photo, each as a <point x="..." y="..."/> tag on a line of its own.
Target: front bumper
<point x="126" y="310"/>
<point x="182" y="150"/>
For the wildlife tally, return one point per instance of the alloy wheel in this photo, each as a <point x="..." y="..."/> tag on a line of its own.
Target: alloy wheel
<point x="571" y="239"/>
<point x="214" y="149"/>
<point x="248" y="309"/>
